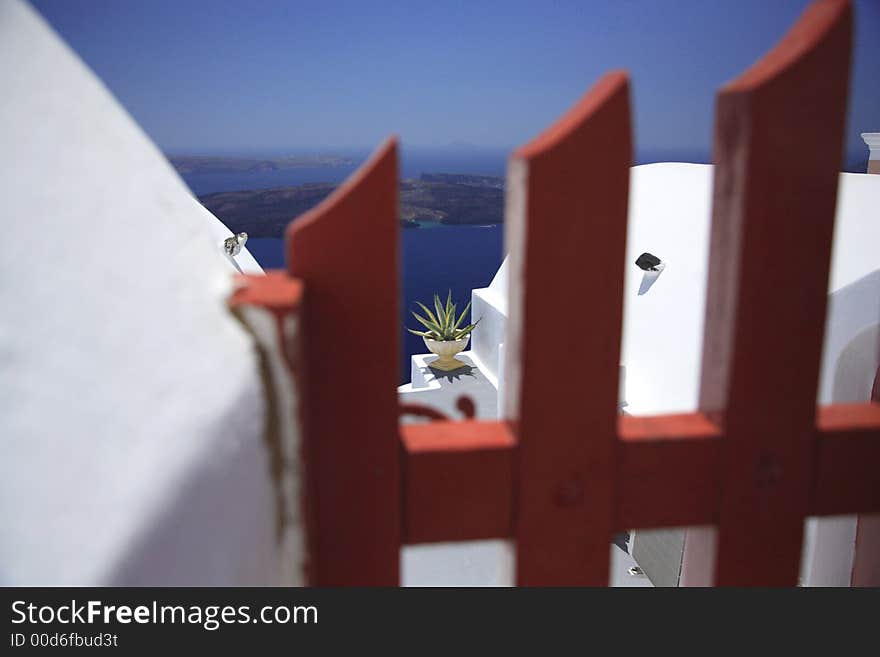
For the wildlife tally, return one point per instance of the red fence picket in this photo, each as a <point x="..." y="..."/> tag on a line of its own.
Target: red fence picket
<point x="566" y="231"/>
<point x="345" y="251"/>
<point x="773" y="218"/>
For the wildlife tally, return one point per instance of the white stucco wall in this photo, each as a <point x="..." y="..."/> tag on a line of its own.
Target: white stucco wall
<point x="669" y="211"/>
<point x="489" y="306"/>
<point x="131" y="405"/>
<point x="669" y="216"/>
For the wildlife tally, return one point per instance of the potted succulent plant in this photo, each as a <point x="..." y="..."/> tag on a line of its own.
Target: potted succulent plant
<point x="444" y="334"/>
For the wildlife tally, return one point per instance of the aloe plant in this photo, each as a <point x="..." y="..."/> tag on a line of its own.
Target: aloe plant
<point x="442" y="324"/>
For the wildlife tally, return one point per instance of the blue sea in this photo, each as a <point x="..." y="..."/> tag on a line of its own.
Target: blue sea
<point x="435" y="259"/>
<point x="457" y="258"/>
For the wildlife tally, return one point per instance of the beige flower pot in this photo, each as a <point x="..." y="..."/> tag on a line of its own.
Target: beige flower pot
<point x="446" y="351"/>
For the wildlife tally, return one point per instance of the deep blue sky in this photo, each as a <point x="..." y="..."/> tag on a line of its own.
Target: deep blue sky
<point x="280" y="75"/>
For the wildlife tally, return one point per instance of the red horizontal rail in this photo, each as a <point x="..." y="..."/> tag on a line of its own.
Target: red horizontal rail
<point x="848" y="454"/>
<point x="276" y="291"/>
<point x="668" y="471"/>
<point x="458" y="480"/>
<point x="459" y="476"/>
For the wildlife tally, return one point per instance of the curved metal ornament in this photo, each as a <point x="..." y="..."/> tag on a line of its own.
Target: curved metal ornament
<point x="464" y="404"/>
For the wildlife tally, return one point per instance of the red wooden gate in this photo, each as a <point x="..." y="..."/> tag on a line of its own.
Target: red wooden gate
<point x="564" y="471"/>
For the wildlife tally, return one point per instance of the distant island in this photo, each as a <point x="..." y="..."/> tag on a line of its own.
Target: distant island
<point x="213" y="164"/>
<point x="436" y="198"/>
